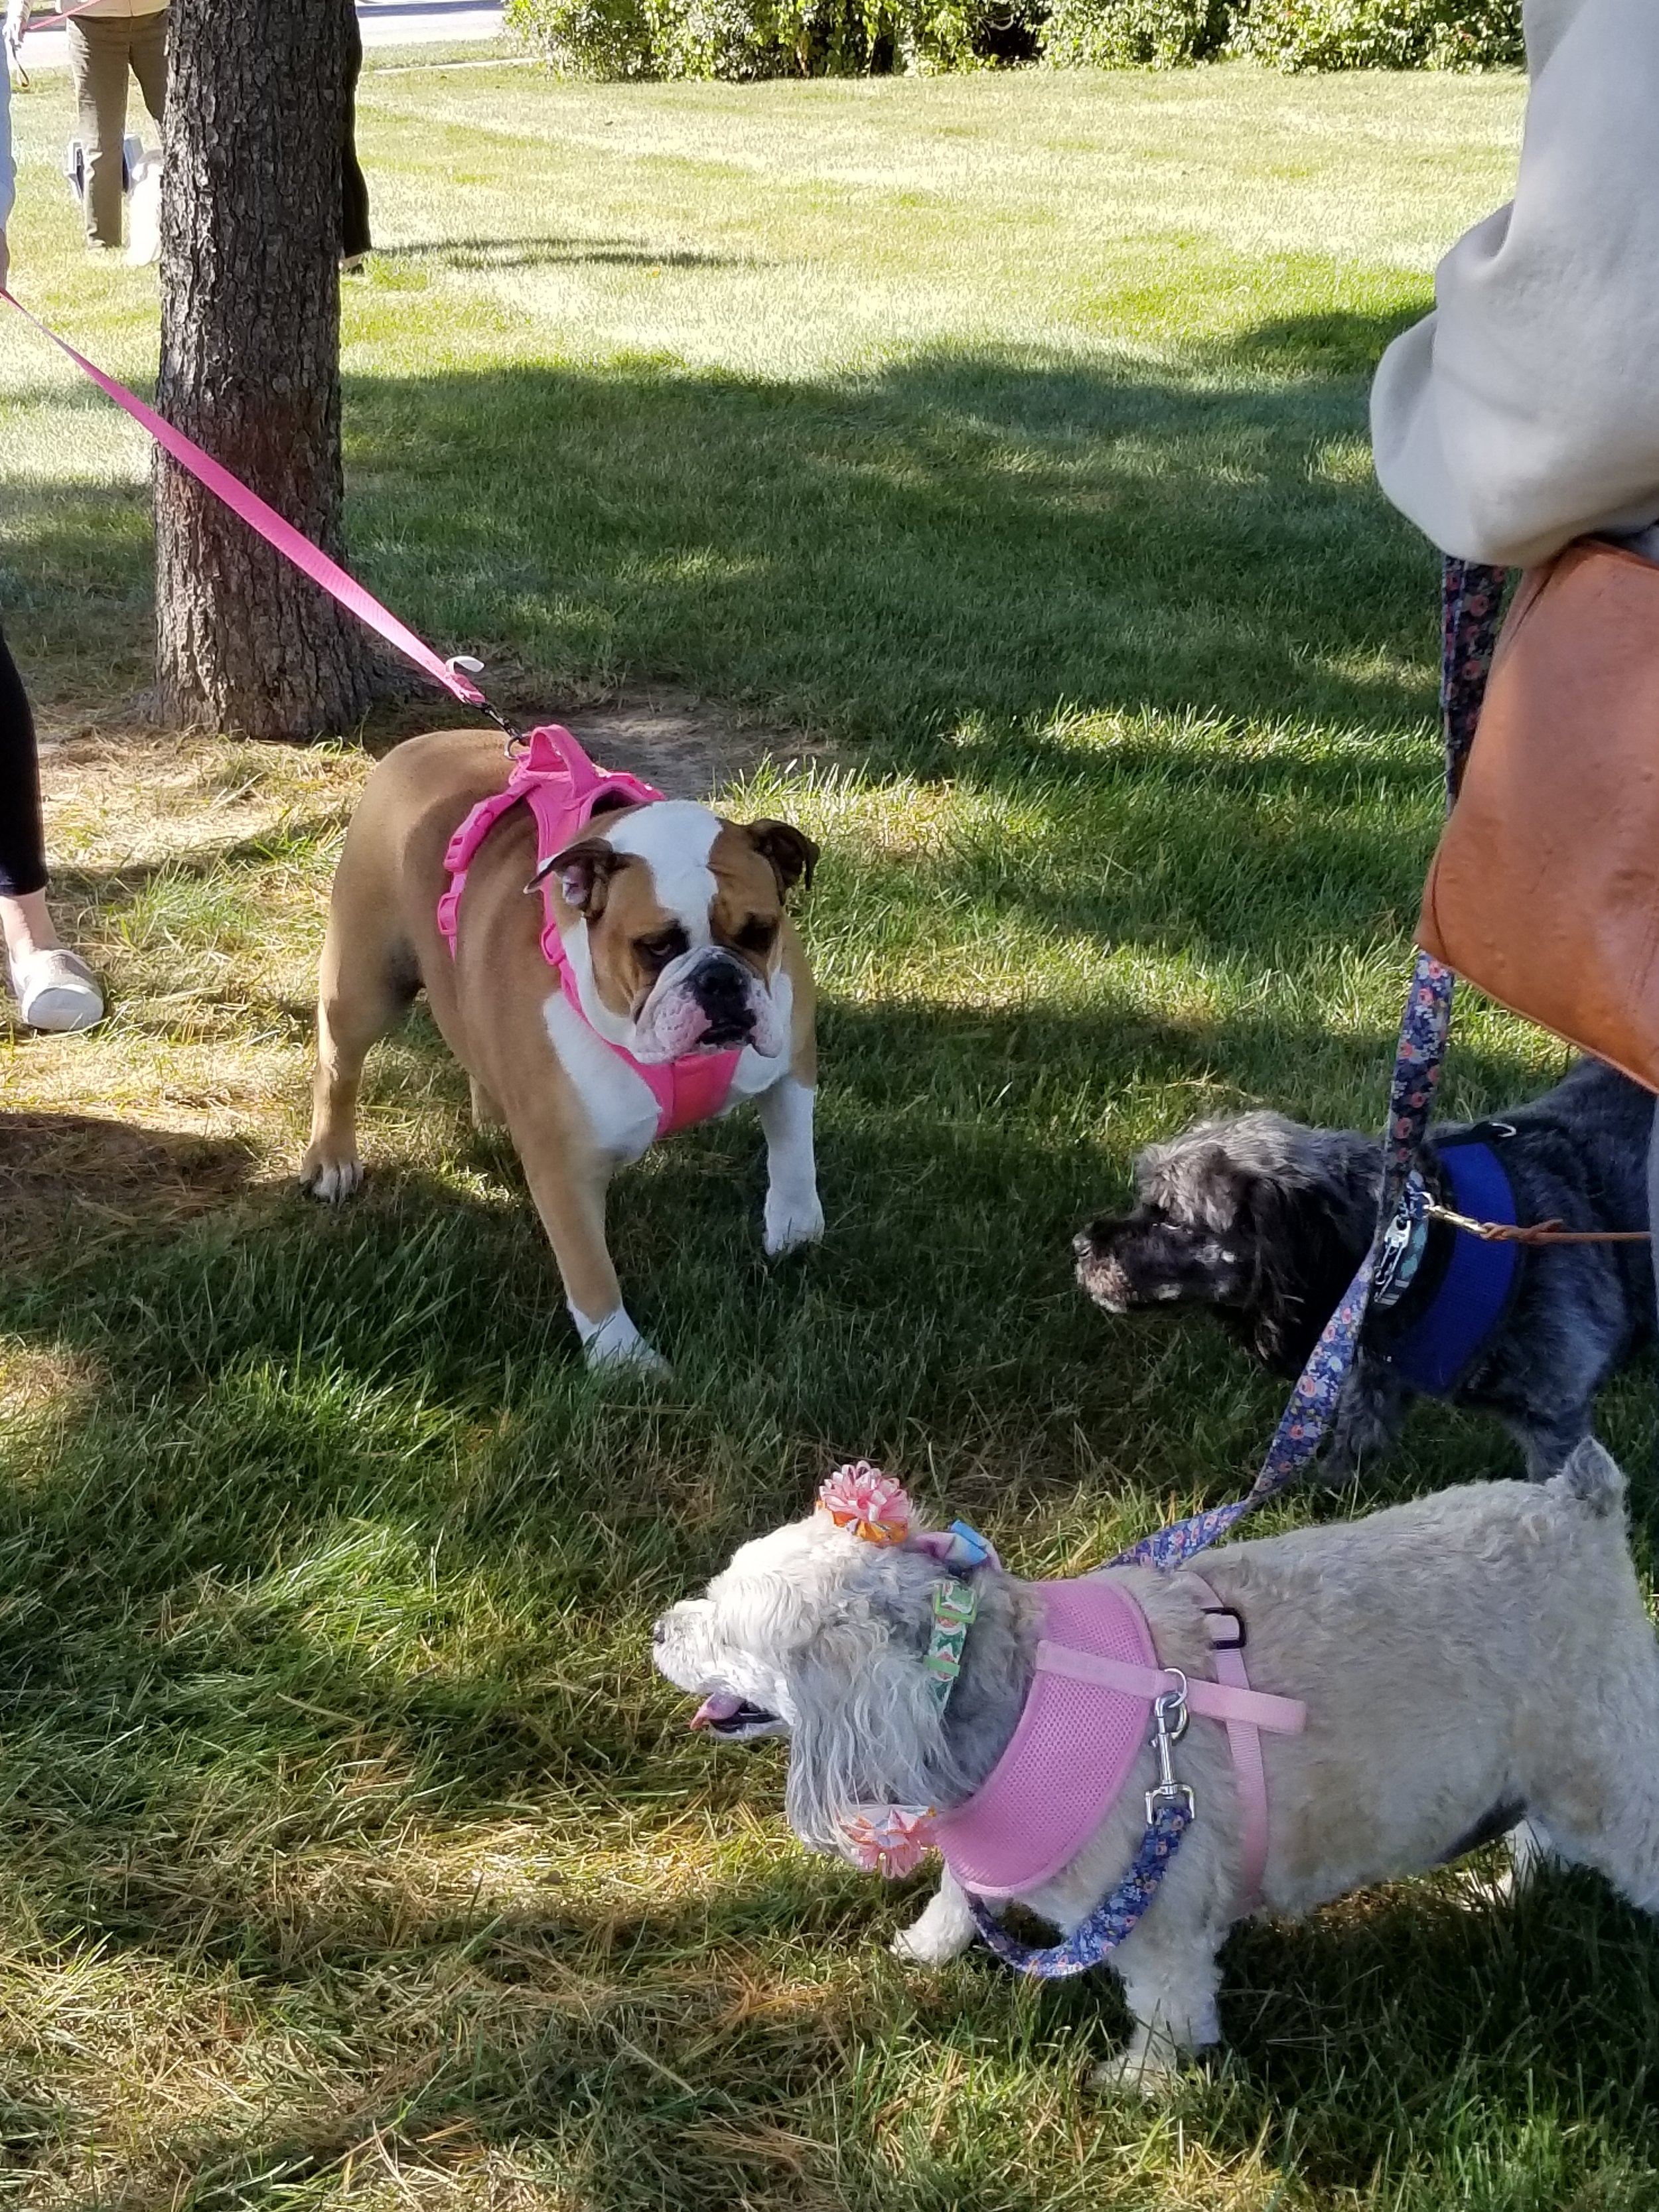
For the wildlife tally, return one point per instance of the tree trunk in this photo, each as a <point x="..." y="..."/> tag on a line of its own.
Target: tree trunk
<point x="250" y="368"/>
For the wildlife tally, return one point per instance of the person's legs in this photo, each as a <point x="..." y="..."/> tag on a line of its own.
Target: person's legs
<point x="355" y="239"/>
<point x="23" y="844"/>
<point x="148" y="54"/>
<point x="98" y="63"/>
<point x="55" y="991"/>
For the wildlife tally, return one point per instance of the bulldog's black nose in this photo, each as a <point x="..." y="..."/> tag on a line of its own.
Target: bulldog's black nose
<point x="722" y="992"/>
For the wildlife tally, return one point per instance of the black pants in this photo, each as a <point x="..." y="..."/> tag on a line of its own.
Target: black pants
<point x="354" y="210"/>
<point x="22" y="844"/>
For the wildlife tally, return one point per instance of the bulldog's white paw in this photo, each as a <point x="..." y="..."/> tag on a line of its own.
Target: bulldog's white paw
<point x="788" y="1226"/>
<point x="639" y="1358"/>
<point x="331" y="1180"/>
<point x="615" y="1346"/>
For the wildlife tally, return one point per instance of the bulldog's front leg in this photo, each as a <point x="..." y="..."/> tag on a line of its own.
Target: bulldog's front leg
<point x="794" y="1215"/>
<point x="571" y="1204"/>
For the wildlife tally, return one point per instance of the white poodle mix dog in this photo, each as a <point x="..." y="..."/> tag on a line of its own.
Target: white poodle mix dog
<point x="1464" y="1660"/>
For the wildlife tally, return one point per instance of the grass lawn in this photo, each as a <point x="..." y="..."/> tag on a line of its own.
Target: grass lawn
<point x="999" y="445"/>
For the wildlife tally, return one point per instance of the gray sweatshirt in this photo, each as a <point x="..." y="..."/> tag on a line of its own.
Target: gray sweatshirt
<point x="1525" y="410"/>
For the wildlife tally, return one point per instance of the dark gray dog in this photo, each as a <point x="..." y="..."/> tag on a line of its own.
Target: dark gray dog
<point x="1265" y="1221"/>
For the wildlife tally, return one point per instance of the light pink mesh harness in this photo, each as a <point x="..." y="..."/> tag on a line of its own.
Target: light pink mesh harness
<point x="561" y="786"/>
<point x="1082" y="1730"/>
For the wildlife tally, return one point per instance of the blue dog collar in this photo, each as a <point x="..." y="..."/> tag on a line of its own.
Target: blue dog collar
<point x="1464" y="1299"/>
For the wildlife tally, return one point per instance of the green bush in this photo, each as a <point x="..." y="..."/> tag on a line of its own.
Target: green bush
<point x="1334" y="35"/>
<point x="1135" y="33"/>
<point x="741" y="39"/>
<point x="733" y="39"/>
<point x="744" y="39"/>
<point x="606" y="39"/>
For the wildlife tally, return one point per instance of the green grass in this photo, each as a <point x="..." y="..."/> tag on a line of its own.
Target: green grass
<point x="1006" y="439"/>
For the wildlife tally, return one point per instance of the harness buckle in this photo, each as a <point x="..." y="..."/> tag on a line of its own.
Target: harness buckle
<point x="1169" y="1719"/>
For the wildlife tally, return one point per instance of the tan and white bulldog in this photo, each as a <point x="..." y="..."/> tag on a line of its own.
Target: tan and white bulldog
<point x="673" y="923"/>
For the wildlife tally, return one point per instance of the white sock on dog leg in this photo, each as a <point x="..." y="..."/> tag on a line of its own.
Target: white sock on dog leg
<point x="614" y="1342"/>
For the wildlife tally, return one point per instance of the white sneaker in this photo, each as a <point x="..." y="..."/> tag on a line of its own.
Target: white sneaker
<point x="56" y="991"/>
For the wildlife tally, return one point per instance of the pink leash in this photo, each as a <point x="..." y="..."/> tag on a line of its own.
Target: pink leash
<point x="43" y="23"/>
<point x="685" y="1091"/>
<point x="260" y="516"/>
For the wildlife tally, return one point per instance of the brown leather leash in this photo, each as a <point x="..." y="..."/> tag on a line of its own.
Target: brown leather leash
<point x="1537" y="1233"/>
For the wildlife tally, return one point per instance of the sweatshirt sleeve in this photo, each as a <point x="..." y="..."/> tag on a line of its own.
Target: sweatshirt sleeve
<point x="8" y="172"/>
<point x="1524" y="411"/>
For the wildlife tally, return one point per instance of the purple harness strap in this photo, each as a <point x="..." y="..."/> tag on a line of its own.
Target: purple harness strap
<point x="561" y="786"/>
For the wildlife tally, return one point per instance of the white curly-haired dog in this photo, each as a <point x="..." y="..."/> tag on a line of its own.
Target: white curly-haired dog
<point x="1463" y="1661"/>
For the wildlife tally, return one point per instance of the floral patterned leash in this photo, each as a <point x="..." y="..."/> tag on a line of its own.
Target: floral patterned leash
<point x="1471" y="596"/>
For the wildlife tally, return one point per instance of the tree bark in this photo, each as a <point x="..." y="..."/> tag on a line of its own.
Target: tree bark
<point x="253" y="142"/>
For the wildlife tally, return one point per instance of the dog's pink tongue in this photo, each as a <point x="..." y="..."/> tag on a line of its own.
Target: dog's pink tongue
<point x="719" y="1707"/>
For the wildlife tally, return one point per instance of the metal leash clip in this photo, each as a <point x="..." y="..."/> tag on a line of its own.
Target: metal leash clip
<point x="1170" y="1718"/>
<point x="1401" y="1250"/>
<point x="468" y="664"/>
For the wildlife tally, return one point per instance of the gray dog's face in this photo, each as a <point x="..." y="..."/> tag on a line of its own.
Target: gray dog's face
<point x="1258" y="1218"/>
<point x="1189" y="1239"/>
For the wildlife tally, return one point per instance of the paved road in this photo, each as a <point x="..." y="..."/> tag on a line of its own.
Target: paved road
<point x="386" y="23"/>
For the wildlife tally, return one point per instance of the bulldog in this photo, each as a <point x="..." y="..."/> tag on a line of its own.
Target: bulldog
<point x="654" y="979"/>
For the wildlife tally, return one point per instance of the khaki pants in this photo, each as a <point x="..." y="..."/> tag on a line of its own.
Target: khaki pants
<point x="101" y="49"/>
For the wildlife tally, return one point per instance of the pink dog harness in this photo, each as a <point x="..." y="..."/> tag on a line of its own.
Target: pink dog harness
<point x="563" y="787"/>
<point x="1082" y="1728"/>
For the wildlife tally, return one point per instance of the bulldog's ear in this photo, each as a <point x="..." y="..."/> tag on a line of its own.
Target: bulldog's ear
<point x="584" y="871"/>
<point x="791" y="851"/>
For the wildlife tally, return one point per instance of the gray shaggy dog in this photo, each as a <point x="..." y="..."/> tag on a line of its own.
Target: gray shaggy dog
<point x="1265" y="1221"/>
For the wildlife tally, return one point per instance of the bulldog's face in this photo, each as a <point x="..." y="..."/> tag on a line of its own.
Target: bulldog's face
<point x="683" y="917"/>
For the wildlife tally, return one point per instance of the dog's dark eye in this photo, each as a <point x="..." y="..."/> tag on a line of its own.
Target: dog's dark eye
<point x="756" y="935"/>
<point x="657" y="951"/>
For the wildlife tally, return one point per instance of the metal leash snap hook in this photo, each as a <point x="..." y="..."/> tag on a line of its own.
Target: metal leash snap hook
<point x="1170" y="1718"/>
<point x="468" y="664"/>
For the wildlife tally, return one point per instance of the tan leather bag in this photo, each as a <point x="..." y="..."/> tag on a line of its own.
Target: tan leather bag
<point x="1545" y="889"/>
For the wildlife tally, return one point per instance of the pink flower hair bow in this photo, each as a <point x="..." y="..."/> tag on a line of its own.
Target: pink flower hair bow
<point x="860" y="1498"/>
<point x="888" y="1840"/>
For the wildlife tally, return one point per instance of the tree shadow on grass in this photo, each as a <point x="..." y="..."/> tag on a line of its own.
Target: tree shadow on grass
<point x="755" y="2048"/>
<point x="70" y="1179"/>
<point x="548" y="251"/>
<point x="1337" y="344"/>
<point x="976" y="538"/>
<point x="960" y="542"/>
